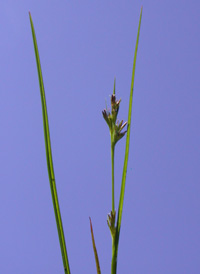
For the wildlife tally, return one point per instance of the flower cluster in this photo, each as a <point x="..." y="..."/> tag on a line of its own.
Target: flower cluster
<point x="111" y="118"/>
<point x="111" y="223"/>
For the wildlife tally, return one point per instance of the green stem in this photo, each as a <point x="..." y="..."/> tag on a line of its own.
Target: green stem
<point x="113" y="264"/>
<point x="114" y="258"/>
<point x="112" y="134"/>
<point x="113" y="178"/>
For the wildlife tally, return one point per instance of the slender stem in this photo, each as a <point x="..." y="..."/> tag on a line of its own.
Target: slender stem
<point x="113" y="264"/>
<point x="113" y="178"/>
<point x="114" y="258"/>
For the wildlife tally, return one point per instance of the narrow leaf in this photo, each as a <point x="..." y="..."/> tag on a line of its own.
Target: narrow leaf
<point x="95" y="250"/>
<point x="49" y="157"/>
<point x="128" y="133"/>
<point x="121" y="201"/>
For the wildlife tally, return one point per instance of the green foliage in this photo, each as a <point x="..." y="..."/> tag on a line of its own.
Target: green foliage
<point x="49" y="157"/>
<point x="116" y="134"/>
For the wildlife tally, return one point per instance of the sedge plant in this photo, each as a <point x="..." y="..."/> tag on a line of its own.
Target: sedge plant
<point x="115" y="128"/>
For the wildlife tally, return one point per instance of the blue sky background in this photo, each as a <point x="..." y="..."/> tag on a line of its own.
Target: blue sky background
<point x="83" y="45"/>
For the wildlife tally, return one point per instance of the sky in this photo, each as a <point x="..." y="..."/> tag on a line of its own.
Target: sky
<point x="83" y="46"/>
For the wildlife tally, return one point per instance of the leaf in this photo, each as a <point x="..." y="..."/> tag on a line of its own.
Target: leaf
<point x="121" y="201"/>
<point x="49" y="156"/>
<point x="128" y="133"/>
<point x="95" y="250"/>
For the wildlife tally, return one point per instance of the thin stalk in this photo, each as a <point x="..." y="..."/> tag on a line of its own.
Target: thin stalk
<point x="121" y="201"/>
<point x="114" y="258"/>
<point x="49" y="158"/>
<point x="112" y="160"/>
<point x="113" y="178"/>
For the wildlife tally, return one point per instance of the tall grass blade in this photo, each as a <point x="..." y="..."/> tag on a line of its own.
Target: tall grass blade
<point x="121" y="201"/>
<point x="49" y="157"/>
<point x="128" y="133"/>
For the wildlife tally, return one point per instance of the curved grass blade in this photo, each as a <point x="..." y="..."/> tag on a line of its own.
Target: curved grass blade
<point x="121" y="201"/>
<point x="49" y="158"/>
<point x="95" y="249"/>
